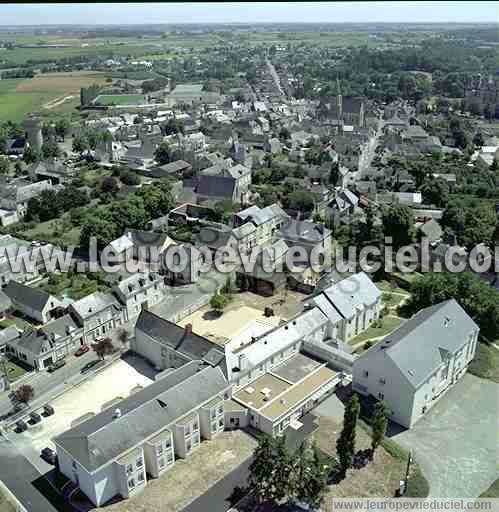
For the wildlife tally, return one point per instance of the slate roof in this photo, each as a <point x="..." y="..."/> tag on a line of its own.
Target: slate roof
<point x="216" y="186"/>
<point x="34" y="298"/>
<point x="173" y="167"/>
<point x="420" y="345"/>
<point x="103" y="438"/>
<point x="94" y="303"/>
<point x="34" y="341"/>
<point x="8" y="334"/>
<point x="350" y="294"/>
<point x="189" y="344"/>
<point x="261" y="215"/>
<point x="5" y="302"/>
<point x="295" y="230"/>
<point x="61" y="327"/>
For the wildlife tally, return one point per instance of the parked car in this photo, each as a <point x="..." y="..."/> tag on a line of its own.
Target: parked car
<point x="35" y="418"/>
<point x="90" y="365"/>
<point x="48" y="455"/>
<point x="21" y="426"/>
<point x="48" y="410"/>
<point x="58" y="364"/>
<point x="82" y="350"/>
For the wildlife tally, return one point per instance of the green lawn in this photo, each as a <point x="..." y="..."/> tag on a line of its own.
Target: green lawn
<point x="492" y="491"/>
<point x="486" y="362"/>
<point x="120" y="99"/>
<point x="389" y="324"/>
<point x="386" y="286"/>
<point x="391" y="299"/>
<point x="14" y="320"/>
<point x="14" y="371"/>
<point x="56" y="231"/>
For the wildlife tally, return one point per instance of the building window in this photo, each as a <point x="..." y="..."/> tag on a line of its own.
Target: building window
<point x="381" y="396"/>
<point x="161" y="463"/>
<point x="221" y="423"/>
<point x="366" y="374"/>
<point x="195" y="427"/>
<point x="140" y="477"/>
<point x="159" y="449"/>
<point x="213" y="414"/>
<point x="187" y="431"/>
<point x="188" y="446"/>
<point x="213" y="427"/>
<point x="139" y="462"/>
<point x="382" y="381"/>
<point x="131" y="483"/>
<point x="129" y="469"/>
<point x="168" y="443"/>
<point x="221" y="409"/>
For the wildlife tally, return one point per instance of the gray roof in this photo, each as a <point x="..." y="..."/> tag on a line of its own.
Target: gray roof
<point x="420" y="345"/>
<point x="5" y="302"/>
<point x="34" y="341"/>
<point x="94" y="303"/>
<point x="261" y="215"/>
<point x="295" y="230"/>
<point x="348" y="295"/>
<point x="61" y="327"/>
<point x="173" y="167"/>
<point x="102" y="438"/>
<point x="8" y="334"/>
<point x="216" y="186"/>
<point x="34" y="298"/>
<point x="189" y="344"/>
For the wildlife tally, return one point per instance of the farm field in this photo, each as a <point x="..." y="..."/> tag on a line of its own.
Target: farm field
<point x="120" y="99"/>
<point x="50" y="92"/>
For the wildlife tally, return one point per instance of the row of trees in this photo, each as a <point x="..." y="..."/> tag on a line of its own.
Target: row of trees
<point x="478" y="299"/>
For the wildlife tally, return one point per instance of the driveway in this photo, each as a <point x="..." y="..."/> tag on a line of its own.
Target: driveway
<point x="456" y="443"/>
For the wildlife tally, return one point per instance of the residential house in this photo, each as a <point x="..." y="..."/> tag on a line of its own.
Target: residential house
<point x="351" y="305"/>
<point x="98" y="314"/>
<point x="113" y="452"/>
<point x="6" y="336"/>
<point x="238" y="174"/>
<point x="414" y="366"/>
<point x="167" y="345"/>
<point x="140" y="290"/>
<point x="16" y="193"/>
<point x="41" y="348"/>
<point x="32" y="302"/>
<point x="308" y="235"/>
<point x="267" y="221"/>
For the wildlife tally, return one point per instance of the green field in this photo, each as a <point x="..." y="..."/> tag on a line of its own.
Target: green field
<point x="120" y="99"/>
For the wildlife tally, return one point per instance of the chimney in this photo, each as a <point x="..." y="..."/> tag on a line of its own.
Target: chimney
<point x="117" y="413"/>
<point x="188" y="329"/>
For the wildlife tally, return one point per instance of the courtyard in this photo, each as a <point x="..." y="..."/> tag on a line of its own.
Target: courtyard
<point x="190" y="478"/>
<point x="221" y="328"/>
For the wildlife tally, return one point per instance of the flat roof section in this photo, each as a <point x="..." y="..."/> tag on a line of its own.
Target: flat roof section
<point x="261" y="391"/>
<point x="296" y="368"/>
<point x="297" y="393"/>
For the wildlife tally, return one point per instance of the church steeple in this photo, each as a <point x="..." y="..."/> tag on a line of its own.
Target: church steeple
<point x="339" y="100"/>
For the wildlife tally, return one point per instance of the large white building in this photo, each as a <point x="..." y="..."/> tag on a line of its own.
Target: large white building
<point x="113" y="452"/>
<point x="413" y="367"/>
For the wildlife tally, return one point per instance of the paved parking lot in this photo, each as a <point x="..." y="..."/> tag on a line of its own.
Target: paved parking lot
<point x="115" y="381"/>
<point x="456" y="443"/>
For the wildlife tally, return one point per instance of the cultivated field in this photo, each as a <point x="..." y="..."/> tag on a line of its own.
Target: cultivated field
<point x="50" y="92"/>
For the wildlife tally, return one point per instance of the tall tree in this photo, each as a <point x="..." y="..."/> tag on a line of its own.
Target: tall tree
<point x="103" y="347"/>
<point x="261" y="470"/>
<point x="379" y="424"/>
<point x="345" y="445"/>
<point x="398" y="222"/>
<point x="24" y="393"/>
<point x="163" y="154"/>
<point x="310" y="474"/>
